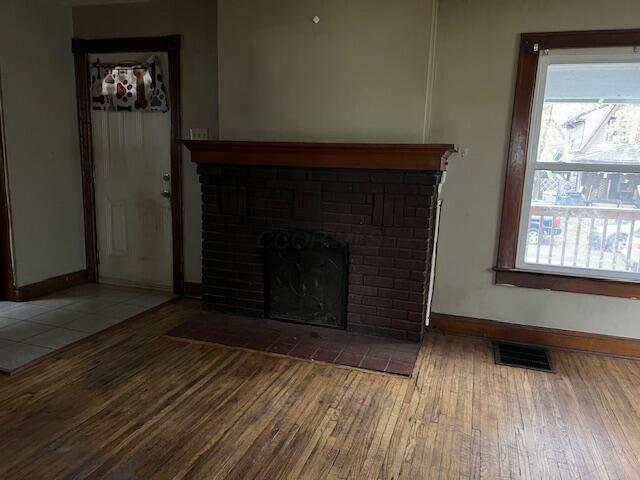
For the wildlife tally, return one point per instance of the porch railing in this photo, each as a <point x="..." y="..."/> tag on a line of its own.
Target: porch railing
<point x="601" y="238"/>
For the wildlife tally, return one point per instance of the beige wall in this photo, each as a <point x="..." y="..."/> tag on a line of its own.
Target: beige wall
<point x="43" y="160"/>
<point x="362" y="74"/>
<point x="318" y="83"/>
<point x="358" y="75"/>
<point x="195" y="20"/>
<point x="476" y="64"/>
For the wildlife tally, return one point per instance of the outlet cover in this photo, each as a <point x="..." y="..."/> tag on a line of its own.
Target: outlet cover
<point x="199" y="133"/>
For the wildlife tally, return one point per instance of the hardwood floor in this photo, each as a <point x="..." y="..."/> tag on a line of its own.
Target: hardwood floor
<point x="132" y="404"/>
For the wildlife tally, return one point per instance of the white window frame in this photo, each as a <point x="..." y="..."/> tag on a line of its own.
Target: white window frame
<point x="547" y="58"/>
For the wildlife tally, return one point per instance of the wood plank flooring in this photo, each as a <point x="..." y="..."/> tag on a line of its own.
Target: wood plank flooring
<point x="130" y="403"/>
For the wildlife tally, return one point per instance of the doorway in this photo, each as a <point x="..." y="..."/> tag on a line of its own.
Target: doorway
<point x="132" y="180"/>
<point x="132" y="175"/>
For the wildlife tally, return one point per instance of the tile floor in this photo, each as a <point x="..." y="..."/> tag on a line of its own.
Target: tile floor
<point x="29" y="330"/>
<point x="302" y="341"/>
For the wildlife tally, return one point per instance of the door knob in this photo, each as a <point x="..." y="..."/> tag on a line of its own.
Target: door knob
<point x="166" y="177"/>
<point x="165" y="193"/>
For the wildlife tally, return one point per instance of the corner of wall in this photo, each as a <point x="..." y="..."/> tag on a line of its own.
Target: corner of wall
<point x="431" y="71"/>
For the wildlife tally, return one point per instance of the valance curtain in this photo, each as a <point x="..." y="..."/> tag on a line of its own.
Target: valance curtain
<point x="132" y="88"/>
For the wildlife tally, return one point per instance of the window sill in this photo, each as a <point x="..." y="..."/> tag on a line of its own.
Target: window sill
<point x="566" y="283"/>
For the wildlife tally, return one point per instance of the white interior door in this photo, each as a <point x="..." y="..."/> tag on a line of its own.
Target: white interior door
<point x="133" y="218"/>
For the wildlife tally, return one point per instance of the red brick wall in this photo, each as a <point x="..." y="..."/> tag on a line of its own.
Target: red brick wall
<point x="384" y="216"/>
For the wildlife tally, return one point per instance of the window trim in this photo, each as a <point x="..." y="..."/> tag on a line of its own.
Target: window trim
<point x="564" y="57"/>
<point x="531" y="44"/>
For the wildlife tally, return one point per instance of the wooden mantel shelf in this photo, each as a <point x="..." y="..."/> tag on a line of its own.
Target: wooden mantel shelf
<point x="321" y="155"/>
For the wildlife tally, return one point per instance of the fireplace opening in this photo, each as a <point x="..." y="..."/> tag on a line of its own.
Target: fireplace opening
<point x="306" y="278"/>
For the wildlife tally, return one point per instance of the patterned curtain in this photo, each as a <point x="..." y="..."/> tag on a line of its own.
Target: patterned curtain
<point x="131" y="88"/>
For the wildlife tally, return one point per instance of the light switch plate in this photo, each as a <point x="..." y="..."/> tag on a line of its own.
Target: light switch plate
<point x="199" y="133"/>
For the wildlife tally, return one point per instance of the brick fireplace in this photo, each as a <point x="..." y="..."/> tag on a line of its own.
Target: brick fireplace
<point x="379" y="201"/>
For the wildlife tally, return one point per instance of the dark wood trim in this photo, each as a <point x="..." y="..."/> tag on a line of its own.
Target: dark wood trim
<point x="322" y="155"/>
<point x="517" y="158"/>
<point x="81" y="49"/>
<point x="584" y="39"/>
<point x="50" y="285"/>
<point x="192" y="290"/>
<point x="168" y="43"/>
<point x="567" y="283"/>
<point x="176" y="167"/>
<point x="7" y="277"/>
<point x="589" y="342"/>
<point x="506" y="272"/>
<point x="86" y="164"/>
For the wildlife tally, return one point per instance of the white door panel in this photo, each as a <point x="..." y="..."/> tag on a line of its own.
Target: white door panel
<point x="116" y="229"/>
<point x="133" y="219"/>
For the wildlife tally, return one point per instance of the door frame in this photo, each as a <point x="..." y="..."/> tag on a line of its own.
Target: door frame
<point x="8" y="289"/>
<point x="81" y="50"/>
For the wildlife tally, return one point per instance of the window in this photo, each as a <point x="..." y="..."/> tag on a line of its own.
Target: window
<point x="571" y="212"/>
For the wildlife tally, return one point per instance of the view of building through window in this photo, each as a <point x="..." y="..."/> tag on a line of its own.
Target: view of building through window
<point x="583" y="188"/>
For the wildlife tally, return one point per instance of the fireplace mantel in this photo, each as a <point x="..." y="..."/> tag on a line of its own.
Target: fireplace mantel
<point x="378" y="200"/>
<point x="413" y="157"/>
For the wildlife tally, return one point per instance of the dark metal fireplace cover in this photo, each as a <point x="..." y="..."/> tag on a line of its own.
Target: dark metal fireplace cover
<point x="306" y="278"/>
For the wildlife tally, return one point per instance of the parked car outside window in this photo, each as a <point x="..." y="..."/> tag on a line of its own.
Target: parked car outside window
<point x="551" y="227"/>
